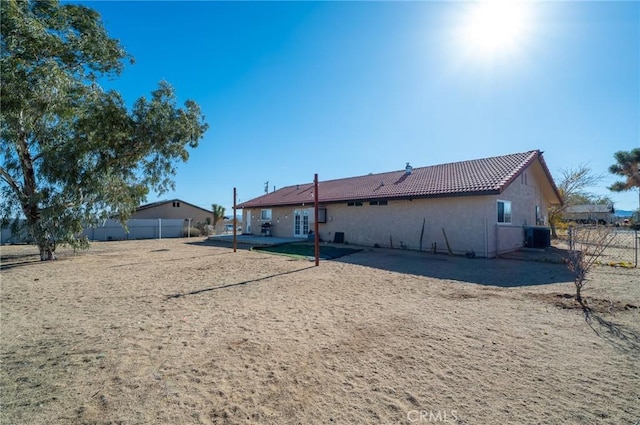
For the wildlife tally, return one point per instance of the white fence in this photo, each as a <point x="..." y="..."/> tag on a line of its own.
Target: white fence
<point x="112" y="230"/>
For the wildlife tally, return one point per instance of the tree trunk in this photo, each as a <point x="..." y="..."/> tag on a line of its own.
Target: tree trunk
<point x="578" y="294"/>
<point x="46" y="252"/>
<point x="38" y="232"/>
<point x="29" y="201"/>
<point x="45" y="245"/>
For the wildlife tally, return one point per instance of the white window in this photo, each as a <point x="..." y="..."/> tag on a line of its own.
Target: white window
<point x="504" y="211"/>
<point x="265" y="215"/>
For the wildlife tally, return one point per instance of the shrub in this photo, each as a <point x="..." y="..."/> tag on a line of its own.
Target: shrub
<point x="195" y="232"/>
<point x="204" y="228"/>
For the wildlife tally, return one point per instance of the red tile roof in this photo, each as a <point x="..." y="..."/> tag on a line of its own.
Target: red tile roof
<point x="475" y="177"/>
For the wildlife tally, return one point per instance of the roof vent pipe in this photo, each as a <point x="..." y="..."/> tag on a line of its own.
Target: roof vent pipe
<point x="408" y="169"/>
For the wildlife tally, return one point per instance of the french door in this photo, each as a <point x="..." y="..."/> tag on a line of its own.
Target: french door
<point x="300" y="223"/>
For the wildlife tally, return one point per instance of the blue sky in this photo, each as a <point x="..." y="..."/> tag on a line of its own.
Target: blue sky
<point x="341" y="89"/>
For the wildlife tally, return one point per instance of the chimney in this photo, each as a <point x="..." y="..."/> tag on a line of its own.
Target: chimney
<point x="408" y="169"/>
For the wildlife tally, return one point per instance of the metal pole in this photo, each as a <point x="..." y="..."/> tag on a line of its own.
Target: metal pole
<point x="235" y="226"/>
<point x="315" y="225"/>
<point x="570" y="234"/>
<point x="636" y="246"/>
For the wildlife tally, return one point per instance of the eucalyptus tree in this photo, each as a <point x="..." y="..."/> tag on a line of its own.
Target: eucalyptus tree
<point x="73" y="152"/>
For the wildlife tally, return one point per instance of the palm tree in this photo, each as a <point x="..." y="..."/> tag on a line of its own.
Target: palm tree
<point x="628" y="166"/>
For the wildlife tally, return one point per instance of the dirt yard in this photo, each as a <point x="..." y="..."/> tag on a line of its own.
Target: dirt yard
<point x="183" y="332"/>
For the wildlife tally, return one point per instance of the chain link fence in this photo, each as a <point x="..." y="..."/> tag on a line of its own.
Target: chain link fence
<point x="622" y="248"/>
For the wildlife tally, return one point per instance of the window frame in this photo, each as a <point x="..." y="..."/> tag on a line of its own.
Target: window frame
<point x="262" y="214"/>
<point x="322" y="215"/>
<point x="505" y="214"/>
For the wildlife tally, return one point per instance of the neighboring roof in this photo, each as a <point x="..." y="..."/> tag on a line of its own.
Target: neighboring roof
<point x="595" y="208"/>
<point x="476" y="177"/>
<point x="170" y="201"/>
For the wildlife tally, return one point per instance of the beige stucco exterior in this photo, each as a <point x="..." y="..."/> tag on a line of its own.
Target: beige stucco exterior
<point x="175" y="209"/>
<point x="469" y="222"/>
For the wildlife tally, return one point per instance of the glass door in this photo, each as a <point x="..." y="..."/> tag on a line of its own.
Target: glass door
<point x="300" y="223"/>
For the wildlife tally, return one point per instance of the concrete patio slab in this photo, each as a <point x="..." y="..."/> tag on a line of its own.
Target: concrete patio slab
<point x="254" y="240"/>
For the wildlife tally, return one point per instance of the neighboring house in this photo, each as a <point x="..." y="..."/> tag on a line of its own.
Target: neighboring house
<point x="172" y="209"/>
<point x="483" y="206"/>
<point x="585" y="214"/>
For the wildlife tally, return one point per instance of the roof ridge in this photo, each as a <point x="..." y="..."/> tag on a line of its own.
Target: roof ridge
<point x="477" y="160"/>
<point x="489" y="175"/>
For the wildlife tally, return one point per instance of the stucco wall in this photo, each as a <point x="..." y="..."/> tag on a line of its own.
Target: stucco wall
<point x="470" y="222"/>
<point x="400" y="223"/>
<point x="184" y="211"/>
<point x="281" y="220"/>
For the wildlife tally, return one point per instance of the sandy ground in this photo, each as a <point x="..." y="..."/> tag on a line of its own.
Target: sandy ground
<point x="183" y="332"/>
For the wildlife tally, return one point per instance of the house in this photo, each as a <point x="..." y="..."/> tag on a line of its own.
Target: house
<point x="174" y="209"/>
<point x="481" y="206"/>
<point x="586" y="214"/>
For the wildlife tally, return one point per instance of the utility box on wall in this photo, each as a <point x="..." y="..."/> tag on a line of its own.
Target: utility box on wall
<point x="537" y="237"/>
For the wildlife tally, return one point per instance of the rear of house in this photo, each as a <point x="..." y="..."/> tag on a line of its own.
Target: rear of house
<point x="481" y="206"/>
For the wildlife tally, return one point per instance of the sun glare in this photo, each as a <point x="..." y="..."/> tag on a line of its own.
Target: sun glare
<point x="495" y="27"/>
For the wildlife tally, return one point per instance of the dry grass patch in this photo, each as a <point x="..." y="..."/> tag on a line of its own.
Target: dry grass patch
<point x="96" y="338"/>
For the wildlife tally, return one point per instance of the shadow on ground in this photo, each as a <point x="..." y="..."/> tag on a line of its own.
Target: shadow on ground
<point x="623" y="338"/>
<point x="221" y="244"/>
<point x="307" y="250"/>
<point x="540" y="270"/>
<point x="10" y="263"/>
<point x="231" y="285"/>
<point x="494" y="272"/>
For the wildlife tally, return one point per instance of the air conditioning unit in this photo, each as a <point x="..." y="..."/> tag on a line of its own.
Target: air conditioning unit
<point x="537" y="237"/>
